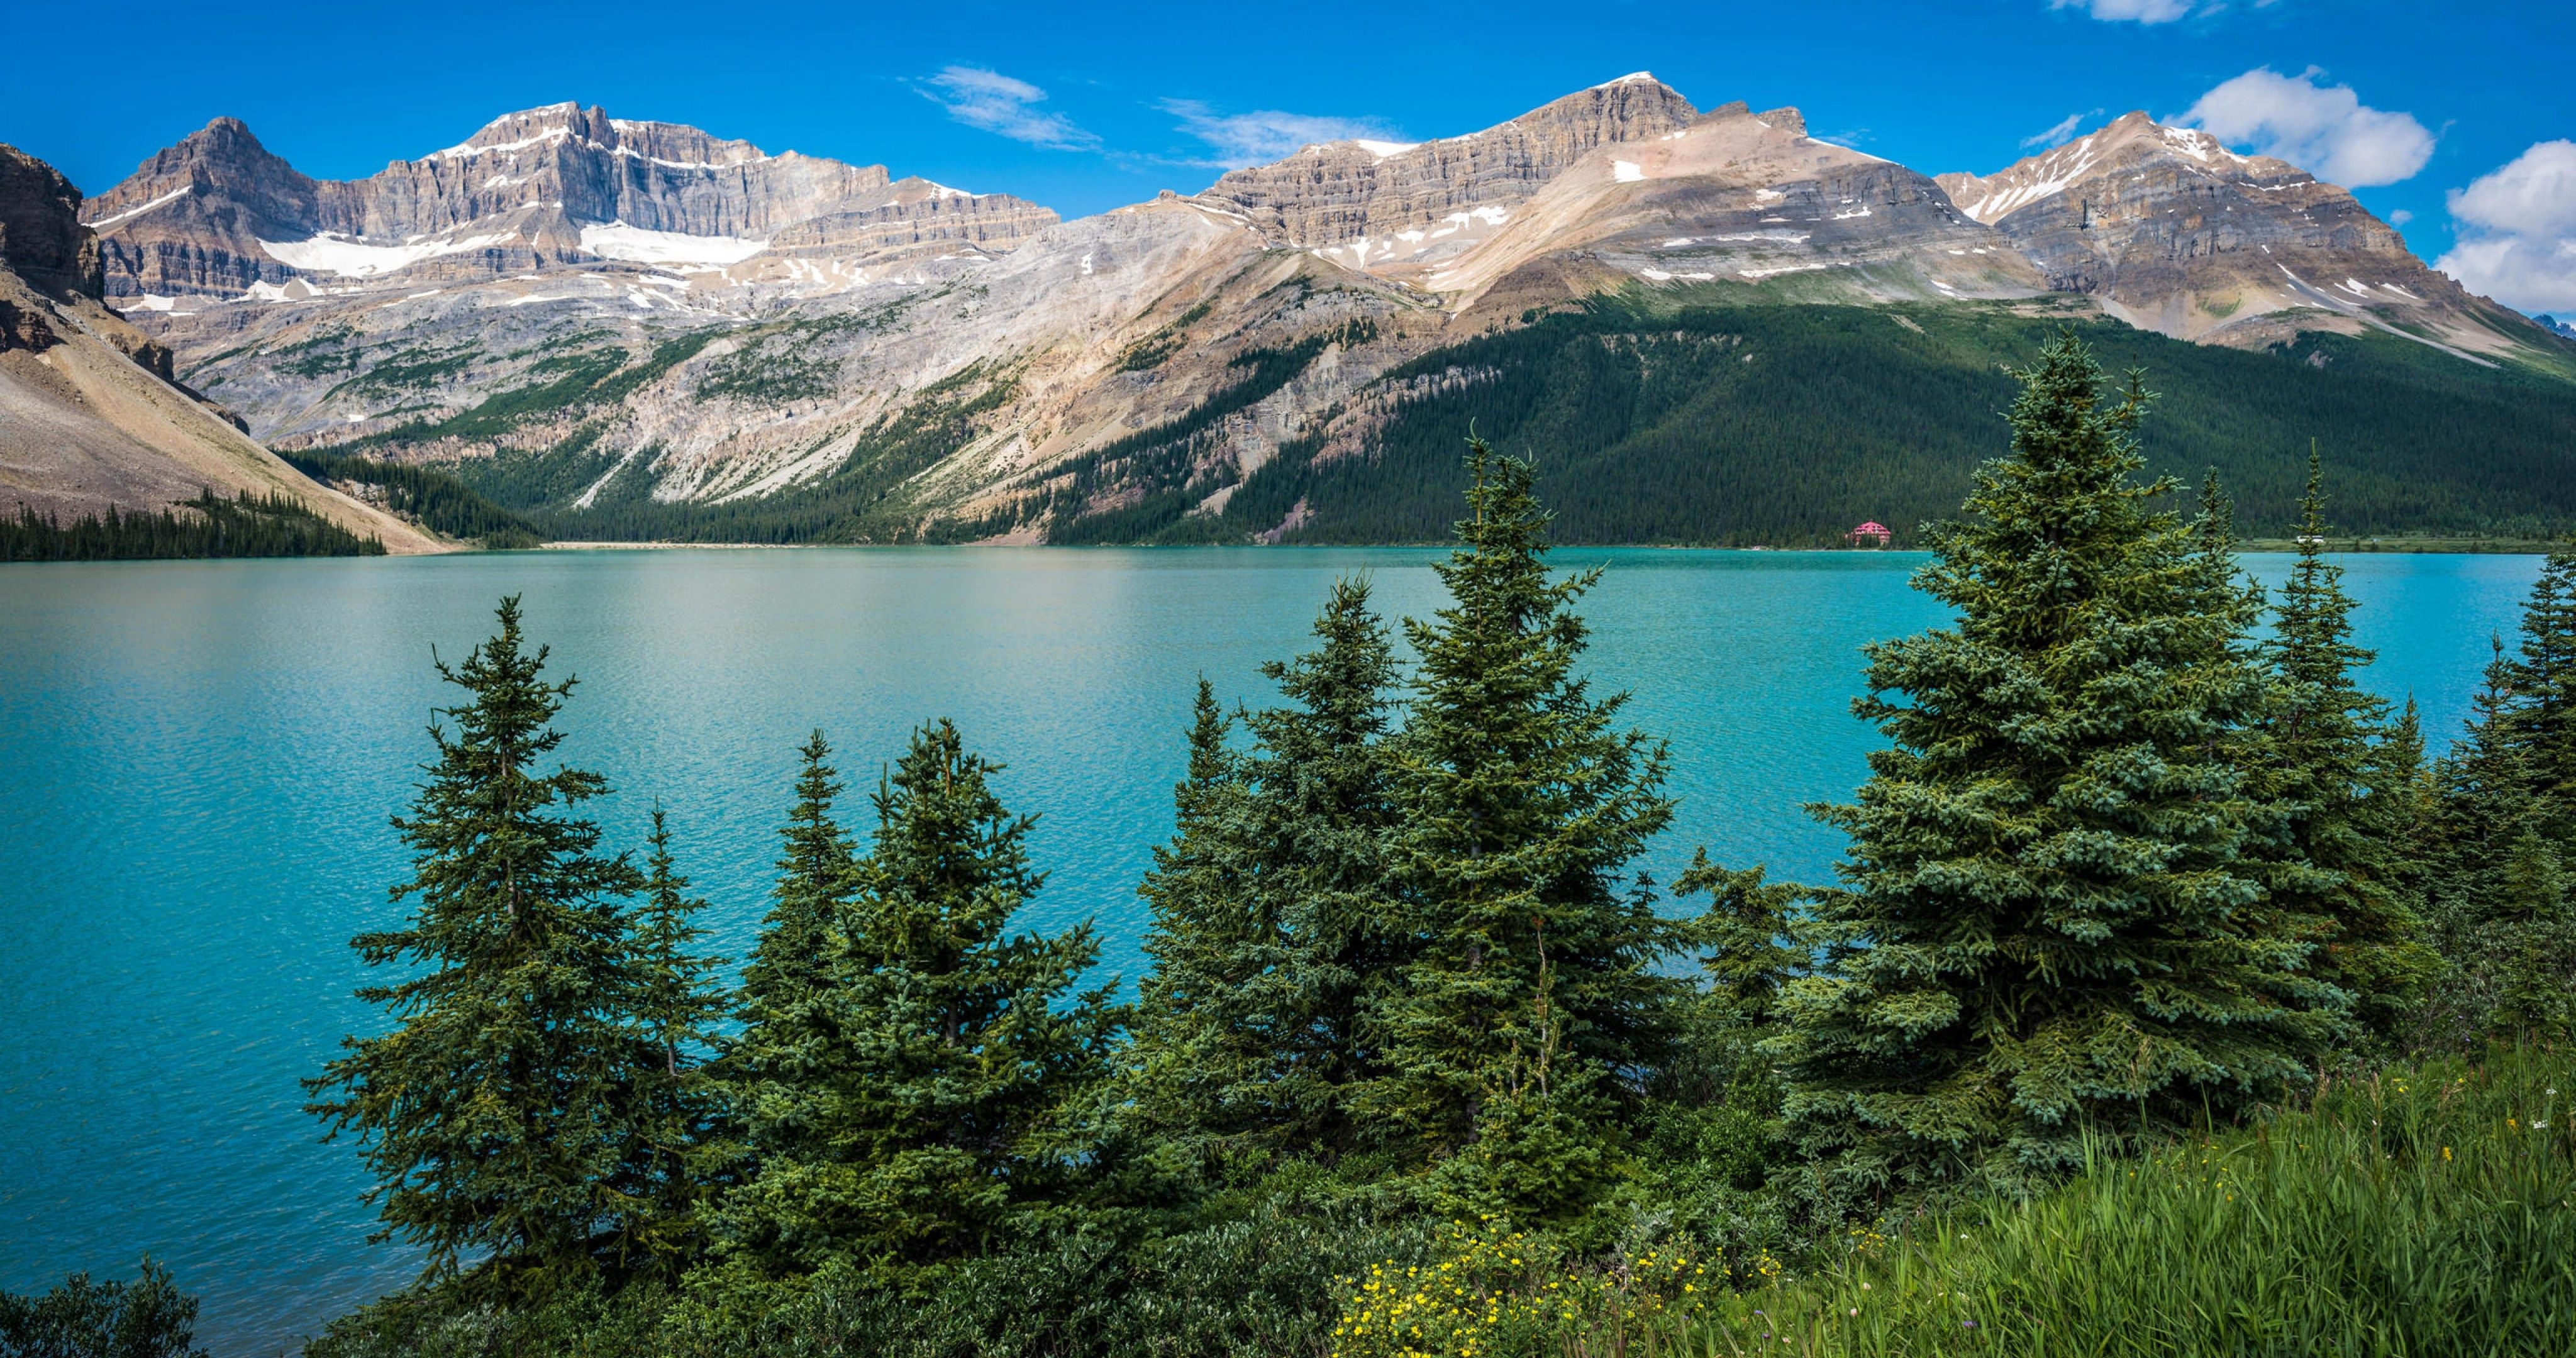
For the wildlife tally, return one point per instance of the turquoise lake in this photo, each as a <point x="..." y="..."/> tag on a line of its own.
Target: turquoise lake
<point x="197" y="760"/>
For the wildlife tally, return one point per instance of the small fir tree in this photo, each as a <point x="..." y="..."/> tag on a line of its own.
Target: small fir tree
<point x="1270" y="908"/>
<point x="685" y="1155"/>
<point x="2337" y="856"/>
<point x="2045" y="920"/>
<point x="814" y="885"/>
<point x="496" y="1114"/>
<point x="946" y="1096"/>
<point x="1529" y="993"/>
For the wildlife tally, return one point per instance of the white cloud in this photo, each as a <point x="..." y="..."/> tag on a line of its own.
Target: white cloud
<point x="1240" y="139"/>
<point x="2326" y="131"/>
<point x="2123" y="11"/>
<point x="2400" y="217"/>
<point x="2059" y="133"/>
<point x="2517" y="241"/>
<point x="999" y="104"/>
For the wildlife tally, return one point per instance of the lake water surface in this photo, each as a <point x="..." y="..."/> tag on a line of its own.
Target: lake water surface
<point x="197" y="760"/>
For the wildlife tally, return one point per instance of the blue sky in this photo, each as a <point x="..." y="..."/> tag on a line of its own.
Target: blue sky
<point x="1083" y="108"/>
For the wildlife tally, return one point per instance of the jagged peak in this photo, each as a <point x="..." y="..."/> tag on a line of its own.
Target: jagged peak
<point x="1632" y="78"/>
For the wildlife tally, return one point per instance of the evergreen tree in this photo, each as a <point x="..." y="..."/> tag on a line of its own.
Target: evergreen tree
<point x="2045" y="919"/>
<point x="2502" y="829"/>
<point x="1269" y="907"/>
<point x="495" y="1115"/>
<point x="2544" y="686"/>
<point x="1201" y="1065"/>
<point x="814" y="884"/>
<point x="1749" y="936"/>
<point x="941" y="1101"/>
<point x="2336" y="858"/>
<point x="684" y="1155"/>
<point x="1529" y="990"/>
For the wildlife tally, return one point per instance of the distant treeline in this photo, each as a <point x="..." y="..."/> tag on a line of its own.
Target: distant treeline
<point x="270" y="525"/>
<point x="434" y="499"/>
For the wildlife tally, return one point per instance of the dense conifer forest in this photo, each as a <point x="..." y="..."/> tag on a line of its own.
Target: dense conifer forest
<point x="272" y="525"/>
<point x="432" y="498"/>
<point x="2171" y="996"/>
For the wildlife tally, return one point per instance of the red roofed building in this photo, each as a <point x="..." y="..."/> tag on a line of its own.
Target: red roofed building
<point x="1872" y="533"/>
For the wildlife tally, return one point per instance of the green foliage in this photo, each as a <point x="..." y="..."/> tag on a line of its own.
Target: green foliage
<point x="684" y="1157"/>
<point x="147" y="1318"/>
<point x="434" y="499"/>
<point x="2046" y="921"/>
<point x="270" y="525"/>
<point x="497" y="1114"/>
<point x="2502" y="833"/>
<point x="1689" y="416"/>
<point x="1270" y="946"/>
<point x="2419" y="1211"/>
<point x="2331" y="850"/>
<point x="936" y="1097"/>
<point x="1529" y="984"/>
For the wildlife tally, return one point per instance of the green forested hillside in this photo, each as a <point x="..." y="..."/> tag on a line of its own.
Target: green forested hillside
<point x="1687" y="416"/>
<point x="1739" y="425"/>
<point x="432" y="498"/>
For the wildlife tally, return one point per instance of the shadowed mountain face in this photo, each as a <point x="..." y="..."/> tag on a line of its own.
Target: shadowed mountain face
<point x="653" y="330"/>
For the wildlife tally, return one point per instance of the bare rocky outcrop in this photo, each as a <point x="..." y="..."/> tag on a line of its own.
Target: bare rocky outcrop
<point x="2172" y="231"/>
<point x="218" y="215"/>
<point x="1339" y="192"/>
<point x="41" y="239"/>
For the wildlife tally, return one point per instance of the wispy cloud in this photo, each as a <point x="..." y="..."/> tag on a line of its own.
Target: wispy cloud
<point x="2130" y="11"/>
<point x="1007" y="107"/>
<point x="2326" y="131"/>
<point x="2058" y="133"/>
<point x="1235" y="140"/>
<point x="2517" y="231"/>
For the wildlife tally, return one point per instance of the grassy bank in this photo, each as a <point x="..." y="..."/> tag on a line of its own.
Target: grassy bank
<point x="2423" y="1211"/>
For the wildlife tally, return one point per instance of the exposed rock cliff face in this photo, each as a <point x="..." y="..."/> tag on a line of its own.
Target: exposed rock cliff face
<point x="41" y="239"/>
<point x="553" y="187"/>
<point x="2172" y="231"/>
<point x="1343" y="191"/>
<point x="1736" y="197"/>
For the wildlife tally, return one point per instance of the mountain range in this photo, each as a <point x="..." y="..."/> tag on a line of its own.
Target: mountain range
<point x="638" y="329"/>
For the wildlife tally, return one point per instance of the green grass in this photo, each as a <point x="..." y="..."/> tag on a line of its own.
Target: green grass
<point x="2423" y="1212"/>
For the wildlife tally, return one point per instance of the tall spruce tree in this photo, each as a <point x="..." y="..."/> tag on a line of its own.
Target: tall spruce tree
<point x="684" y="1155"/>
<point x="1270" y="908"/>
<point x="2045" y="919"/>
<point x="2504" y="829"/>
<point x="1201" y="1070"/>
<point x="814" y="884"/>
<point x="1529" y="994"/>
<point x="2337" y="856"/>
<point x="946" y="1100"/>
<point x="497" y="1114"/>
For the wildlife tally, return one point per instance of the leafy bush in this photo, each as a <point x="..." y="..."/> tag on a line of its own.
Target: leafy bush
<point x="147" y="1318"/>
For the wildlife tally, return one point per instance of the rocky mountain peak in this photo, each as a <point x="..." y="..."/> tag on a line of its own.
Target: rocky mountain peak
<point x="41" y="236"/>
<point x="1340" y="193"/>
